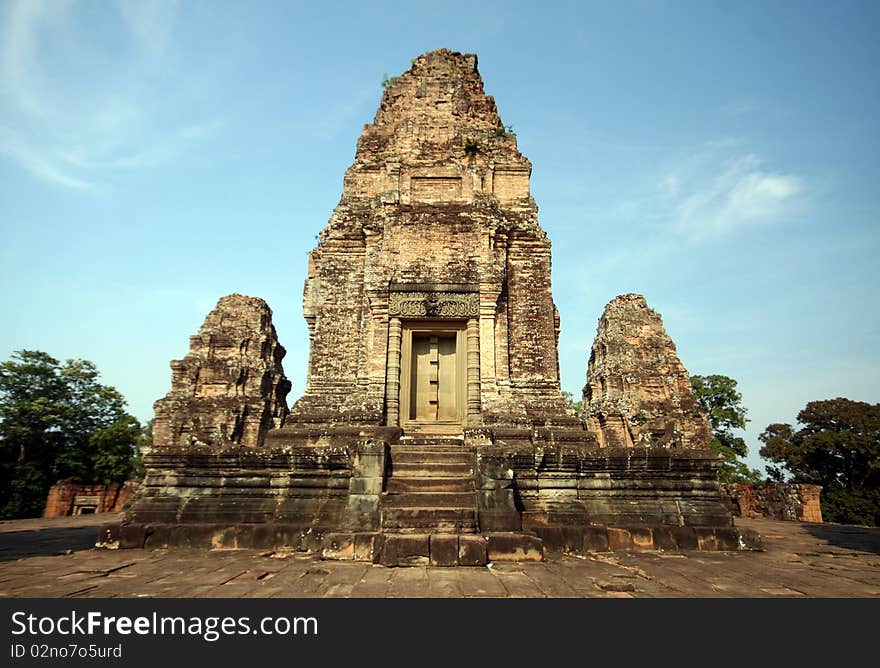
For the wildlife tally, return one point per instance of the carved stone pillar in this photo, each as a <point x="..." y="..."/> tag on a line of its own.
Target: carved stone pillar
<point x="392" y="374"/>
<point x="473" y="371"/>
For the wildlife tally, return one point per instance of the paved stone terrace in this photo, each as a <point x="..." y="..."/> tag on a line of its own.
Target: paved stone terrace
<point x="53" y="558"/>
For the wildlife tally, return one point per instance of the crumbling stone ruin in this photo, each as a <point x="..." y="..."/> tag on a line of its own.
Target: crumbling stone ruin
<point x="780" y="501"/>
<point x="69" y="497"/>
<point x="432" y="428"/>
<point x="230" y="389"/>
<point x="638" y="392"/>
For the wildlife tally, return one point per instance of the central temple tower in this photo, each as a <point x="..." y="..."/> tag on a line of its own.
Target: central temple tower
<point x="428" y="296"/>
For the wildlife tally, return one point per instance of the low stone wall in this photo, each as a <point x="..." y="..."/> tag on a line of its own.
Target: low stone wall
<point x="781" y="501"/>
<point x="238" y="497"/>
<point x="68" y="497"/>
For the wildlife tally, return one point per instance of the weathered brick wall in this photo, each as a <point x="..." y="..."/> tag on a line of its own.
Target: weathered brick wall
<point x="781" y="501"/>
<point x="64" y="495"/>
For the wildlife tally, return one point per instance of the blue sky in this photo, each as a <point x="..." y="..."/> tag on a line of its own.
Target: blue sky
<point x="719" y="158"/>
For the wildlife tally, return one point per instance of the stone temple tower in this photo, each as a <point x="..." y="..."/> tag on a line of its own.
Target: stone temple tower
<point x="428" y="297"/>
<point x="432" y="428"/>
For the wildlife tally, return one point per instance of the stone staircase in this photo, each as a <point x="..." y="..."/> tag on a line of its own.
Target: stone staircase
<point x="431" y="488"/>
<point x="429" y="515"/>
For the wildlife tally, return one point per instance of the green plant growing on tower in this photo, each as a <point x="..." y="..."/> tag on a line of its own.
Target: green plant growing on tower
<point x="471" y="146"/>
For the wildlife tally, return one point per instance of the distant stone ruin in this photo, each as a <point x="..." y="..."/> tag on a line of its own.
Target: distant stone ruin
<point x="432" y="428"/>
<point x="797" y="502"/>
<point x="69" y="497"/>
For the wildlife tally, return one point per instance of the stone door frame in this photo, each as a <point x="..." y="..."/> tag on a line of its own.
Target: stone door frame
<point x="444" y="307"/>
<point x="428" y="327"/>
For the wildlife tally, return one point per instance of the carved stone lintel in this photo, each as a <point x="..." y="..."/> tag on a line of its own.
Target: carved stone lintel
<point x="432" y="304"/>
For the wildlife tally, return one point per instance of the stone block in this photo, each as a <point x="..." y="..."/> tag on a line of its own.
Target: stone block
<point x="619" y="539"/>
<point x="201" y="536"/>
<point x="362" y="504"/>
<point x="195" y="536"/>
<point x="552" y="537"/>
<point x="510" y="546"/>
<point x="444" y="549"/>
<point x="532" y="519"/>
<point x="685" y="538"/>
<point x="364" y="546"/>
<point x="663" y="539"/>
<point x="706" y="540"/>
<point x="471" y="550"/>
<point x="595" y="539"/>
<point x="370" y="465"/>
<point x="499" y="520"/>
<point x="339" y="546"/>
<point x="642" y="538"/>
<point x="366" y="486"/>
<point x="406" y="550"/>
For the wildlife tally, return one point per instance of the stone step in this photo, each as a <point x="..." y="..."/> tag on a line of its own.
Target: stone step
<point x="411" y="455"/>
<point x="429" y="520"/>
<point x="431" y="469"/>
<point x="435" y="549"/>
<point x="402" y="484"/>
<point x="430" y="500"/>
<point x="431" y="440"/>
<point x="514" y="546"/>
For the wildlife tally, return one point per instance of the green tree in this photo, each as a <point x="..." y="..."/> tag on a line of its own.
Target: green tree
<point x="577" y="407"/>
<point x="837" y="447"/>
<point x="723" y="403"/>
<point x="116" y="450"/>
<point x="52" y="416"/>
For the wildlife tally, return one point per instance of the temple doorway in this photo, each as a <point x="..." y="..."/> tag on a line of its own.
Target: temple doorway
<point x="432" y="388"/>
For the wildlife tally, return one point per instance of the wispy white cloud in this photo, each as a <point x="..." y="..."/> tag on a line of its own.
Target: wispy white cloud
<point x="73" y="110"/>
<point x="709" y="193"/>
<point x="714" y="193"/>
<point x="35" y="161"/>
<point x="703" y="196"/>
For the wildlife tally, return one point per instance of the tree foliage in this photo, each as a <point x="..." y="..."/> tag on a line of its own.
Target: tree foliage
<point x="577" y="408"/>
<point x="838" y="447"/>
<point x="722" y="402"/>
<point x="58" y="421"/>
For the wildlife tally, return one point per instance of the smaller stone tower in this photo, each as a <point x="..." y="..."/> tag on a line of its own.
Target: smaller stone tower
<point x="638" y="392"/>
<point x="230" y="389"/>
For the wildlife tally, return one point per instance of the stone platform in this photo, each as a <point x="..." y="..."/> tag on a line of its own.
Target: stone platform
<point x="440" y="501"/>
<point x="55" y="559"/>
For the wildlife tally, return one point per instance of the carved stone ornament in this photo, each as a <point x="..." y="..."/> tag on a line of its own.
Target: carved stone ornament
<point x="434" y="304"/>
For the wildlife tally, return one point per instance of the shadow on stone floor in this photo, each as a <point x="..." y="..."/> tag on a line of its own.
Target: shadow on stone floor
<point x="865" y="539"/>
<point x="46" y="542"/>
